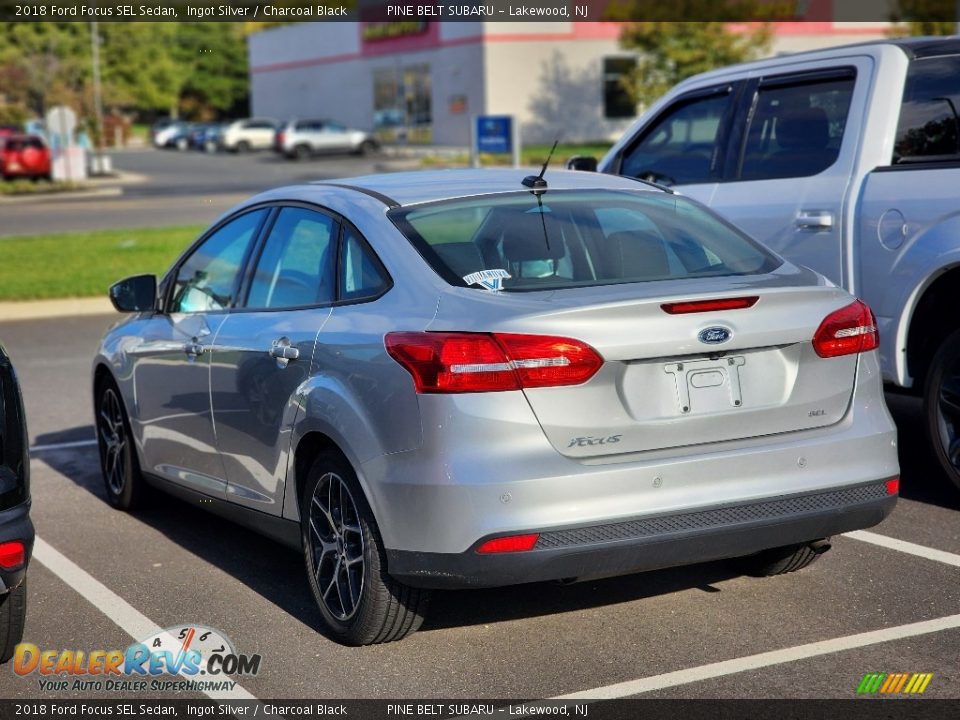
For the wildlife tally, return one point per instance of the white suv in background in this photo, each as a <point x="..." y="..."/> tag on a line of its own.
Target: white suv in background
<point x="300" y="139"/>
<point x="249" y="134"/>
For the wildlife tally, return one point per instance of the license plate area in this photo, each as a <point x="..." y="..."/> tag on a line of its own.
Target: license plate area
<point x="707" y="386"/>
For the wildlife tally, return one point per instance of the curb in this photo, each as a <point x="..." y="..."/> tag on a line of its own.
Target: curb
<point x="61" y="196"/>
<point x="69" y="307"/>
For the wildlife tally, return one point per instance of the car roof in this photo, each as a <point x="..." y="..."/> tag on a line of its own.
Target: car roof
<point x="410" y="188"/>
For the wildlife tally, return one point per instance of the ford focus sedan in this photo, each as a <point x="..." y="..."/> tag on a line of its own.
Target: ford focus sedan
<point x="474" y="378"/>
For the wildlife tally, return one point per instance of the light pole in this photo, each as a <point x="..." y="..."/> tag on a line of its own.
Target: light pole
<point x="97" y="100"/>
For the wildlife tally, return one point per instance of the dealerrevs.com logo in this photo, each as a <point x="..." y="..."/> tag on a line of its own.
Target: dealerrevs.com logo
<point x="202" y="656"/>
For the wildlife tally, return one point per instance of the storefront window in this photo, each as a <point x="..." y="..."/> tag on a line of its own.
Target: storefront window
<point x="403" y="106"/>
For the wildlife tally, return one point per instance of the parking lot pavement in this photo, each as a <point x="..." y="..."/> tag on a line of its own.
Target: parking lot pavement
<point x="701" y="631"/>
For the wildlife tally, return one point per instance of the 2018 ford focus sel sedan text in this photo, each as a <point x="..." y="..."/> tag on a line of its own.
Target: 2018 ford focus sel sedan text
<point x="472" y="378"/>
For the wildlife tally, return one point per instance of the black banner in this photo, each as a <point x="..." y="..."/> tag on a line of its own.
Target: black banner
<point x="859" y="709"/>
<point x="383" y="11"/>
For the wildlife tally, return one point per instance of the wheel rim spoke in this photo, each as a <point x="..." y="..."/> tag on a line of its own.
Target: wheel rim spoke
<point x="113" y="441"/>
<point x="336" y="546"/>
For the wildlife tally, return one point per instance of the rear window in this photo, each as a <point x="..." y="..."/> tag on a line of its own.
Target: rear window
<point x="576" y="238"/>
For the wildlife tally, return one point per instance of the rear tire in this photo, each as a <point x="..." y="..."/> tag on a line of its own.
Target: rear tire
<point x="118" y="458"/>
<point x="941" y="407"/>
<point x="346" y="563"/>
<point x="367" y="147"/>
<point x="243" y="146"/>
<point x="13" y="615"/>
<point x="779" y="561"/>
<point x="302" y="152"/>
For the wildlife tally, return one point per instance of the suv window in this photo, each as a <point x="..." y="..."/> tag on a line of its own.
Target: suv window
<point x="929" y="128"/>
<point x="295" y="268"/>
<point x="207" y="279"/>
<point x="796" y="130"/>
<point x="681" y="146"/>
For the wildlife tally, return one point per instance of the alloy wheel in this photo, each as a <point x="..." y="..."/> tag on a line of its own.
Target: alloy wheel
<point x="113" y="441"/>
<point x="337" y="546"/>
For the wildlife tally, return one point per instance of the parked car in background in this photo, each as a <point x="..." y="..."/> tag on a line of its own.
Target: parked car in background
<point x="206" y="136"/>
<point x="24" y="156"/>
<point x="177" y="137"/>
<point x="249" y="134"/>
<point x="158" y="126"/>
<point x="165" y="137"/>
<point x="300" y="139"/>
<point x="16" y="528"/>
<point x="846" y="160"/>
<point x="472" y="378"/>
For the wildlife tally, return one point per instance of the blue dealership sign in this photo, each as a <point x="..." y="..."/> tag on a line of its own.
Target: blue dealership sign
<point x="494" y="134"/>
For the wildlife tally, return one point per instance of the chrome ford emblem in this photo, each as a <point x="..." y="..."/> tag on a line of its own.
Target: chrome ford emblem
<point x="714" y="335"/>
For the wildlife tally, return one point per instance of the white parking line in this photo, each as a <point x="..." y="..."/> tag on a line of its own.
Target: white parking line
<point x="63" y="446"/>
<point x="762" y="660"/>
<point x="905" y="547"/>
<point x="122" y="613"/>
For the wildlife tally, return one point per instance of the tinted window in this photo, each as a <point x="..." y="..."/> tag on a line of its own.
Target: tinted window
<point x="296" y="266"/>
<point x="577" y="238"/>
<point x="929" y="125"/>
<point x="681" y="147"/>
<point x="617" y="102"/>
<point x="207" y="280"/>
<point x="360" y="273"/>
<point x="796" y="130"/>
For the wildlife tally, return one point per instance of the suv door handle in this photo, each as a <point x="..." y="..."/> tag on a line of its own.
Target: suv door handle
<point x="815" y="220"/>
<point x="283" y="351"/>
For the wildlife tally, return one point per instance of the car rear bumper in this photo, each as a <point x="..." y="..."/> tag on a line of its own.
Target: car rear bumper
<point x="650" y="543"/>
<point x="15" y="524"/>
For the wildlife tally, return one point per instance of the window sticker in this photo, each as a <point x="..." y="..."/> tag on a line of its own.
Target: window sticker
<point x="487" y="279"/>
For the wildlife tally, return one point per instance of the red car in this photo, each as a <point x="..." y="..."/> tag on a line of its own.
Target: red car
<point x="24" y="156"/>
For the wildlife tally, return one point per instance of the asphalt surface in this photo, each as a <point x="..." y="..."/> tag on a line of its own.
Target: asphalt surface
<point x="181" y="188"/>
<point x="174" y="564"/>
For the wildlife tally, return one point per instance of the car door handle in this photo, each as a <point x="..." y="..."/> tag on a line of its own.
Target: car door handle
<point x="283" y="350"/>
<point x="815" y="220"/>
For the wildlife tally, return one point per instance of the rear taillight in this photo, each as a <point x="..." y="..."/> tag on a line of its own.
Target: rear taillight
<point x="893" y="486"/>
<point x="280" y="138"/>
<point x="12" y="555"/>
<point x="851" y="329"/>
<point x="454" y="362"/>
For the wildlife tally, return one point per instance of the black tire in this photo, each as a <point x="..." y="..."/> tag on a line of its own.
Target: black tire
<point x="338" y="526"/>
<point x="367" y="147"/>
<point x="243" y="146"/>
<point x="13" y="615"/>
<point x="781" y="560"/>
<point x="118" y="459"/>
<point x="941" y="407"/>
<point x="302" y="152"/>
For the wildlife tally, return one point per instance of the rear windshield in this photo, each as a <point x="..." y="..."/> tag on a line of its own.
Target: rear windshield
<point x="576" y="238"/>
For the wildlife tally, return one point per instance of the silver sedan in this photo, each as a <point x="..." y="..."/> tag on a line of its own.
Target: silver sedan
<point x="476" y="378"/>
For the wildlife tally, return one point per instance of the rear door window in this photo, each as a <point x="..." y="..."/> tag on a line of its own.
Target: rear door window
<point x="796" y="126"/>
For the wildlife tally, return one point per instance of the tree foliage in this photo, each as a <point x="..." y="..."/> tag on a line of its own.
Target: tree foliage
<point x="726" y="32"/>
<point x="925" y="17"/>
<point x="197" y="70"/>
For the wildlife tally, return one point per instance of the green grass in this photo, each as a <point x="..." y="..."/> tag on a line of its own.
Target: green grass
<point x="34" y="187"/>
<point x="85" y="264"/>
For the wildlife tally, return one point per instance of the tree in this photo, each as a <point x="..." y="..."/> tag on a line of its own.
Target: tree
<point x="925" y="17"/>
<point x="668" y="52"/>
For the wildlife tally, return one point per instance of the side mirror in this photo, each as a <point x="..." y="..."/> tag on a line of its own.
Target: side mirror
<point x="587" y="163"/>
<point x="135" y="294"/>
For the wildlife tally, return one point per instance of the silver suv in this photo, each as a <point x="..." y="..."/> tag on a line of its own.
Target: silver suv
<point x="472" y="378"/>
<point x="300" y="139"/>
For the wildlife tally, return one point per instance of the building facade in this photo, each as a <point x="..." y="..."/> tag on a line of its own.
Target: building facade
<point x="421" y="82"/>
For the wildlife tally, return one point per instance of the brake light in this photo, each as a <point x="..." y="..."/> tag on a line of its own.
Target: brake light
<point x="699" y="306"/>
<point x="280" y="138"/>
<point x="456" y="362"/>
<point x="893" y="486"/>
<point x="851" y="329"/>
<point x="12" y="555"/>
<point x="511" y="543"/>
